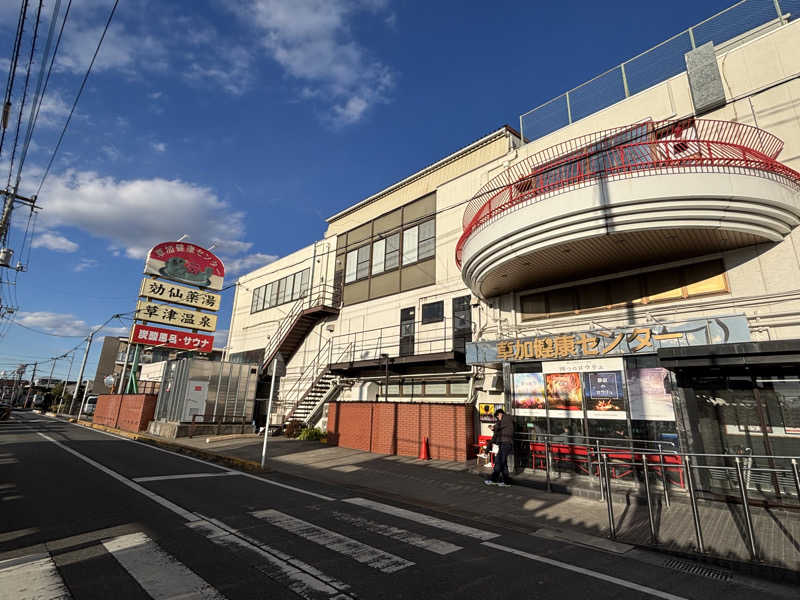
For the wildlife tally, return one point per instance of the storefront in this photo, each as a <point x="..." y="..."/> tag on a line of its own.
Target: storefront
<point x="603" y="386"/>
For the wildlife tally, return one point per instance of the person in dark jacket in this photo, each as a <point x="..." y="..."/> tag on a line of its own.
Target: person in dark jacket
<point x="503" y="437"/>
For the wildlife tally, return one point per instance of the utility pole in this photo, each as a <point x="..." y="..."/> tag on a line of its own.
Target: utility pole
<point x="80" y="375"/>
<point x="66" y="383"/>
<point x="33" y="375"/>
<point x="5" y="220"/>
<point x="20" y="372"/>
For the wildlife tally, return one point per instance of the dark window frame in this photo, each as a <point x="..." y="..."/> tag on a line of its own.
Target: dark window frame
<point x="437" y="316"/>
<point x="262" y="296"/>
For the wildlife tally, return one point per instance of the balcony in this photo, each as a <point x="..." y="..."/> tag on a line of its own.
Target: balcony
<point x="619" y="199"/>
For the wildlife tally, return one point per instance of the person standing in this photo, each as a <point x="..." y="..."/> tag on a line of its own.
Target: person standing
<point x="503" y="436"/>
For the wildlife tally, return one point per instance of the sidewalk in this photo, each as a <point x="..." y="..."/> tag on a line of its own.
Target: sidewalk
<point x="452" y="488"/>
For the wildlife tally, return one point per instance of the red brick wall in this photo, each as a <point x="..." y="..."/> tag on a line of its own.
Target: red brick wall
<point x="131" y="412"/>
<point x="398" y="428"/>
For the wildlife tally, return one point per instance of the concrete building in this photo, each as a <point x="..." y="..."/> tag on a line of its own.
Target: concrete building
<point x="630" y="274"/>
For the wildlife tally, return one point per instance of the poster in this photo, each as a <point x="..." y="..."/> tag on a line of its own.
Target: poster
<point x="604" y="395"/>
<point x="563" y="391"/>
<point x="486" y="412"/>
<point x="649" y="394"/>
<point x="529" y="400"/>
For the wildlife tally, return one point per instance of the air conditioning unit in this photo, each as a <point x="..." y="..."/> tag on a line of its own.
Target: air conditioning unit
<point x="493" y="383"/>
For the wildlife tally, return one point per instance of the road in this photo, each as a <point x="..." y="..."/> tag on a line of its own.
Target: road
<point x="90" y="515"/>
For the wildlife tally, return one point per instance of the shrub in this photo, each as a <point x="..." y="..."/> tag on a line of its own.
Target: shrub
<point x="314" y="434"/>
<point x="293" y="428"/>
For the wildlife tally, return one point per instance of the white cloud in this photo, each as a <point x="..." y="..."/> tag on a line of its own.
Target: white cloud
<point x="312" y="40"/>
<point x="85" y="264"/>
<point x="159" y="146"/>
<point x="58" y="323"/>
<point x="230" y="68"/>
<point x="111" y="152"/>
<point x="136" y="214"/>
<point x="155" y="95"/>
<point x="234" y="266"/>
<point x="54" y="241"/>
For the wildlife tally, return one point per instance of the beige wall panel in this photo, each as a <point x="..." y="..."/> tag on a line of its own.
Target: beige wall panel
<point x="418" y="275"/>
<point x="388" y="222"/>
<point x="383" y="285"/>
<point x="419" y="209"/>
<point x="359" y="235"/>
<point x="356" y="292"/>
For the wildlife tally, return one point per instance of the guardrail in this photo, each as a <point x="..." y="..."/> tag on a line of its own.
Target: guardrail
<point x="653" y="147"/>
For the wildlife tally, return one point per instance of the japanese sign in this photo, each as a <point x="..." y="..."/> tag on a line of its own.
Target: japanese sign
<point x="644" y="339"/>
<point x="180" y="340"/>
<point x="486" y="413"/>
<point x="173" y="315"/>
<point x="185" y="263"/>
<point x="170" y="292"/>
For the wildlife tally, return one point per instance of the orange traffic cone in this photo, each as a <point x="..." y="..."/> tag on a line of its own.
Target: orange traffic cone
<point x="423" y="450"/>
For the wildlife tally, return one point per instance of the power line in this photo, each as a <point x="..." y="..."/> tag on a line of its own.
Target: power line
<point x="77" y="97"/>
<point x="12" y="70"/>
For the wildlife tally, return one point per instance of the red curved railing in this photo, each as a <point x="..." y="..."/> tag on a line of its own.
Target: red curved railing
<point x="652" y="147"/>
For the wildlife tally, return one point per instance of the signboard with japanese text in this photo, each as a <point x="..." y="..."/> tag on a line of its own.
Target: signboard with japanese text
<point x="174" y="315"/>
<point x="178" y="294"/>
<point x="486" y="413"/>
<point x="167" y="338"/>
<point x="185" y="263"/>
<point x="599" y="343"/>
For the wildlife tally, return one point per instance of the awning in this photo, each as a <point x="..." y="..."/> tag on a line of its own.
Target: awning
<point x="737" y="354"/>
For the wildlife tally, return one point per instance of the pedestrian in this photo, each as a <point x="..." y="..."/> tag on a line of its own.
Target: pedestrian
<point x="503" y="438"/>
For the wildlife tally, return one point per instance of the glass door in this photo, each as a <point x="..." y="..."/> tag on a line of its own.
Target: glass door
<point x="407" y="316"/>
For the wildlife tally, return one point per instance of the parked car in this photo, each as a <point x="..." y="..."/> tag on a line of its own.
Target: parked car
<point x="91" y="404"/>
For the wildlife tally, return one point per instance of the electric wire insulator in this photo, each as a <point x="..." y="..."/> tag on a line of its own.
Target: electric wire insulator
<point x="6" y="113"/>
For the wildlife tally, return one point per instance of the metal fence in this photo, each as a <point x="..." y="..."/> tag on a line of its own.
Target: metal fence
<point x="736" y="24"/>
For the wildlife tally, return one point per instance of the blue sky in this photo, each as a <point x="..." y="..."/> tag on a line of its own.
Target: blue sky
<point x="248" y="122"/>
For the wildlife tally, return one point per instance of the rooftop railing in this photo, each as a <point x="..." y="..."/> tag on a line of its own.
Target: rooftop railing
<point x="649" y="148"/>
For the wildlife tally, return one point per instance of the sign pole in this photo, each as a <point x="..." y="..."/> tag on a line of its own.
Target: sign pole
<point x="269" y="412"/>
<point x="125" y="364"/>
<point x="80" y="374"/>
<point x="132" y="386"/>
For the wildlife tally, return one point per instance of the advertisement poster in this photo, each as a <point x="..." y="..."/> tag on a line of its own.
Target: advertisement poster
<point x="604" y="395"/>
<point x="486" y="412"/>
<point x="563" y="391"/>
<point x="529" y="398"/>
<point x="185" y="263"/>
<point x="649" y="394"/>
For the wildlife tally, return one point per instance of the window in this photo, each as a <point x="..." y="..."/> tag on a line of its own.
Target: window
<point x="678" y="283"/>
<point x="414" y="388"/>
<point x="419" y="242"/>
<point x="433" y="312"/>
<point x="378" y="257"/>
<point x="362" y="267"/>
<point x="350" y="268"/>
<point x="289" y="288"/>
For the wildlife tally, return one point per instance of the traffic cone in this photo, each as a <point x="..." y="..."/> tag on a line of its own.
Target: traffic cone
<point x="423" y="450"/>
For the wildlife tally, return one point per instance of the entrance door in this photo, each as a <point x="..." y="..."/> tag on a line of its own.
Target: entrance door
<point x="407" y="316"/>
<point x="462" y="323"/>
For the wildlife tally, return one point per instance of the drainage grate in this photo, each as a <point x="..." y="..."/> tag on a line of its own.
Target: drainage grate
<point x="695" y="569"/>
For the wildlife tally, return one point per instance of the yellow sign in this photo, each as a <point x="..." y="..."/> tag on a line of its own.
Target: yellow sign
<point x="171" y="292"/>
<point x="174" y="315"/>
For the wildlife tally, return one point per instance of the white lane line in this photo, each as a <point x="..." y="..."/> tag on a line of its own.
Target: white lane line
<point x="399" y="534"/>
<point x="184" y="476"/>
<point x="588" y="572"/>
<point x="363" y="553"/>
<point x="204" y="462"/>
<point x="33" y="576"/>
<point x="189" y="516"/>
<point x="159" y="574"/>
<point x="303" y="579"/>
<point x="410" y="515"/>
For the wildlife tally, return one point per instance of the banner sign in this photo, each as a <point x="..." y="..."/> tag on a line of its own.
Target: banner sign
<point x="173" y="315"/>
<point x="168" y="338"/>
<point x="185" y="263"/>
<point x="178" y="294"/>
<point x="644" y="339"/>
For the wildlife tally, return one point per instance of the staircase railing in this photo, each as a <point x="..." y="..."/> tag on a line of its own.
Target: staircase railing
<point x="321" y="295"/>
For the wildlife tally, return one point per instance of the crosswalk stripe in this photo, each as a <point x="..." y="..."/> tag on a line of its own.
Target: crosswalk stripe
<point x="33" y="576"/>
<point x="303" y="579"/>
<point x="410" y="515"/>
<point x="159" y="574"/>
<point x="363" y="553"/>
<point x="399" y="534"/>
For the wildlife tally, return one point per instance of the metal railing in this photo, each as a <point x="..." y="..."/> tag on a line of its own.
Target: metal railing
<point x="374" y="344"/>
<point x="653" y="147"/>
<point x="751" y="481"/>
<point x="318" y="296"/>
<point x="737" y="23"/>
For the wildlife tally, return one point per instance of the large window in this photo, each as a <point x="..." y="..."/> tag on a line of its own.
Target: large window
<point x="386" y="254"/>
<point x="419" y="242"/>
<point x="289" y="288"/>
<point x="357" y="264"/>
<point x="679" y="283"/>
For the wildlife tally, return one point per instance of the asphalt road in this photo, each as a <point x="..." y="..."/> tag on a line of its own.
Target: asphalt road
<point x="85" y="515"/>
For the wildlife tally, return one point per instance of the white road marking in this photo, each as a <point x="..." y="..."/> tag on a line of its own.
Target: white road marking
<point x="410" y="515"/>
<point x="33" y="576"/>
<point x="399" y="534"/>
<point x="204" y="462"/>
<point x="363" y="553"/>
<point x="588" y="572"/>
<point x="303" y="579"/>
<point x="184" y="476"/>
<point x="159" y="574"/>
<point x="189" y="516"/>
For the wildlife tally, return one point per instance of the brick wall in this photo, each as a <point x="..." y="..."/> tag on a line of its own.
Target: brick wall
<point x="398" y="428"/>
